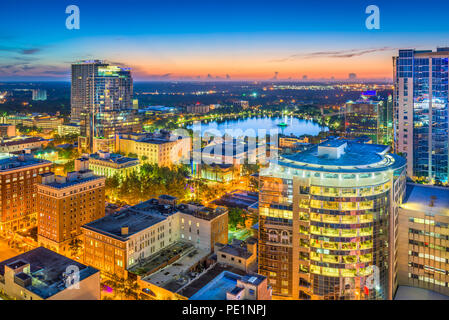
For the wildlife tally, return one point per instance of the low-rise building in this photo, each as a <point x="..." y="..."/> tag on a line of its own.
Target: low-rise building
<point x="20" y="143"/>
<point x="423" y="253"/>
<point x="203" y="226"/>
<point x="221" y="282"/>
<point x="42" y="274"/>
<point x="44" y="122"/>
<point x="198" y="109"/>
<point x="130" y="237"/>
<point x="162" y="148"/>
<point x="223" y="173"/>
<point x="290" y="142"/>
<point x="110" y="164"/>
<point x="69" y="128"/>
<point x="116" y="242"/>
<point x="234" y="151"/>
<point x="244" y="104"/>
<point x="239" y="254"/>
<point x="250" y="287"/>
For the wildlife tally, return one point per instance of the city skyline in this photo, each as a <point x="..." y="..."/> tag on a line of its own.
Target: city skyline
<point x="229" y="151"/>
<point x="209" y="41"/>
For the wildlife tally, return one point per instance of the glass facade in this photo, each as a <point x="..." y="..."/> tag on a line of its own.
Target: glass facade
<point x="421" y="112"/>
<point x="324" y="232"/>
<point x="102" y="100"/>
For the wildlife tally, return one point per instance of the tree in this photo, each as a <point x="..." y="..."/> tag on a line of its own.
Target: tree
<point x="123" y="288"/>
<point x="116" y="283"/>
<point x="75" y="246"/>
<point x="236" y="217"/>
<point x="150" y="181"/>
<point x="69" y="166"/>
<point x="131" y="288"/>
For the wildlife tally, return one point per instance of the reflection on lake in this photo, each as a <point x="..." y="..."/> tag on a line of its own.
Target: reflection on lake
<point x="250" y="126"/>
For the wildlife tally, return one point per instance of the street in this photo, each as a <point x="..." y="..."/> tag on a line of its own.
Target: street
<point x="5" y="251"/>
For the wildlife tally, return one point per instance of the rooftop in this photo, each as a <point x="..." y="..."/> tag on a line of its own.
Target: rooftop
<point x="136" y="218"/>
<point x="232" y="147"/>
<point x="159" y="137"/>
<point x="214" y="282"/>
<point x="235" y="250"/>
<point x="238" y="198"/>
<point x="224" y="282"/>
<point x="14" y="141"/>
<point x="10" y="162"/>
<point x="113" y="158"/>
<point x="200" y="211"/>
<point x="175" y="275"/>
<point x="429" y="199"/>
<point x="72" y="179"/>
<point x="356" y="157"/>
<point x="411" y="293"/>
<point x="47" y="269"/>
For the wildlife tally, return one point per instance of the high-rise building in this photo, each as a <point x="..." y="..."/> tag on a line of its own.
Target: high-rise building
<point x="67" y="203"/>
<point x="370" y="116"/>
<point x="327" y="219"/>
<point x="82" y="91"/>
<point x="18" y="194"/>
<point x="421" y="112"/>
<point x="102" y="100"/>
<point x="423" y="257"/>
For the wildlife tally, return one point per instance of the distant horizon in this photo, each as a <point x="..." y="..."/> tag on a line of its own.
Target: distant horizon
<point x="310" y="81"/>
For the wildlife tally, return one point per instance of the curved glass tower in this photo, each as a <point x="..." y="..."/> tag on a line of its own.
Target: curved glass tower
<point x="328" y="220"/>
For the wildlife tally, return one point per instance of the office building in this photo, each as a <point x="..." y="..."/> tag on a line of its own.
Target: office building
<point x="82" y="87"/>
<point x="423" y="257"/>
<point x="42" y="274"/>
<point x="370" y="116"/>
<point x="67" y="203"/>
<point x="18" y="195"/>
<point x="327" y="215"/>
<point x="101" y="100"/>
<point x="421" y="112"/>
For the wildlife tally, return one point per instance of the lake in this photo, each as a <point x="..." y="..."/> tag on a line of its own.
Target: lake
<point x="294" y="126"/>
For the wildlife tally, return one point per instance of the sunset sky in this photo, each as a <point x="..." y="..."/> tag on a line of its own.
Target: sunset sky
<point x="172" y="40"/>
